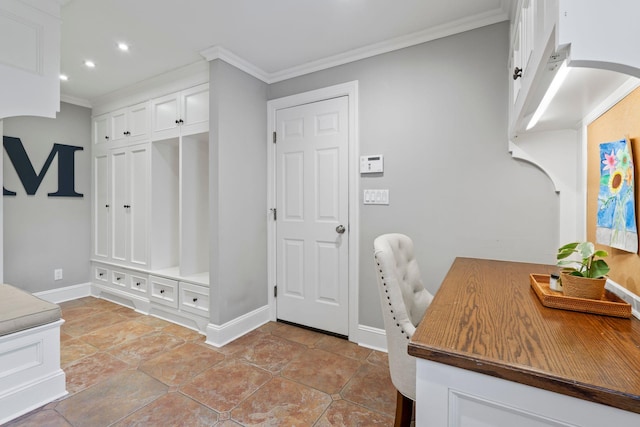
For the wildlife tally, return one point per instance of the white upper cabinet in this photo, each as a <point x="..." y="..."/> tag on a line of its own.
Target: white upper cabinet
<point x="602" y="34"/>
<point x="130" y="124"/>
<point x="101" y="132"/>
<point x="581" y="33"/>
<point x="181" y="113"/>
<point x="30" y="62"/>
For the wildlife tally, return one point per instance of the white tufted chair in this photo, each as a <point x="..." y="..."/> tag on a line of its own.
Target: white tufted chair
<point x="404" y="301"/>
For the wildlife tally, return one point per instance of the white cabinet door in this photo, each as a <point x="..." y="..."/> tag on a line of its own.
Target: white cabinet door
<point x="30" y="50"/>
<point x="181" y="113"/>
<point x="101" y="131"/>
<point x="138" y="203"/>
<point x="130" y="201"/>
<point x="165" y="112"/>
<point x="119" y="205"/>
<point x="101" y="206"/>
<point x="138" y="119"/>
<point x="130" y="124"/>
<point x="118" y="125"/>
<point x="194" y="117"/>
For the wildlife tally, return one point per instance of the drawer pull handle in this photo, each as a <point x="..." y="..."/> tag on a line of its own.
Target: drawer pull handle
<point x="100" y="274"/>
<point x="118" y="278"/>
<point x="162" y="291"/>
<point x="195" y="300"/>
<point x="138" y="284"/>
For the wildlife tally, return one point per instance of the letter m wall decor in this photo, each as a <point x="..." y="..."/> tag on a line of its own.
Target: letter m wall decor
<point x="32" y="180"/>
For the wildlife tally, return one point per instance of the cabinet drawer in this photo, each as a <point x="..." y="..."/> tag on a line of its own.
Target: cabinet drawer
<point x="119" y="279"/>
<point x="194" y="299"/>
<point x="100" y="275"/>
<point x="138" y="283"/>
<point x="164" y="291"/>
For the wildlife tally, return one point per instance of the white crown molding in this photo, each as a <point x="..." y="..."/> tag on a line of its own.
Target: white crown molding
<point x="218" y="52"/>
<point x="470" y="23"/>
<point x="455" y="27"/>
<point x="75" y="101"/>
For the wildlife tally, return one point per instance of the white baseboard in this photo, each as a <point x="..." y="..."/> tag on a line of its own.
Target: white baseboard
<point x="219" y="335"/>
<point x="65" y="294"/>
<point x="372" y="338"/>
<point x="625" y="294"/>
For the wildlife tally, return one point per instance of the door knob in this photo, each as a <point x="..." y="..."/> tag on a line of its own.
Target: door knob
<point x="340" y="229"/>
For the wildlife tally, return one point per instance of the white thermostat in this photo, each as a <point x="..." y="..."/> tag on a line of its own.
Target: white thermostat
<point x="371" y="164"/>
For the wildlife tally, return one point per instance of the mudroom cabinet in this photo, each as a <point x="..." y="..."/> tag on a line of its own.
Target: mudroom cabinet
<point x="150" y="239"/>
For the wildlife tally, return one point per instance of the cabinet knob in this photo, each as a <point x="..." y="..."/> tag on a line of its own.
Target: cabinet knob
<point x="517" y="72"/>
<point x="106" y="137"/>
<point x="126" y="206"/>
<point x="177" y="122"/>
<point x="100" y="274"/>
<point x="118" y="279"/>
<point x="106" y="206"/>
<point x="138" y="284"/>
<point x="162" y="291"/>
<point x="181" y="121"/>
<point x="195" y="300"/>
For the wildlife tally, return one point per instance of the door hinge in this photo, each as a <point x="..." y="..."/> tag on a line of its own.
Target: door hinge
<point x="275" y="138"/>
<point x="275" y="291"/>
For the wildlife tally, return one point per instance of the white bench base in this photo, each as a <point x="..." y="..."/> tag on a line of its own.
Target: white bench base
<point x="30" y="374"/>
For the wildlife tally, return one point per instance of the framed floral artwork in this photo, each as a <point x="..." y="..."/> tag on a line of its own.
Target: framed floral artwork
<point x="616" y="218"/>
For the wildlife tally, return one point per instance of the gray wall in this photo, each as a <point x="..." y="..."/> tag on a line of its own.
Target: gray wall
<point x="43" y="233"/>
<point x="238" y="188"/>
<point x="438" y="114"/>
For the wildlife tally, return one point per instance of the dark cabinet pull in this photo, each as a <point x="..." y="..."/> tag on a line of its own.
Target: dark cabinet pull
<point x="106" y="137"/>
<point x="106" y="206"/>
<point x="177" y="121"/>
<point x="195" y="300"/>
<point x="517" y="72"/>
<point x="138" y="284"/>
<point x="181" y="121"/>
<point x="162" y="291"/>
<point x="118" y="279"/>
<point x="127" y="206"/>
<point x="100" y="274"/>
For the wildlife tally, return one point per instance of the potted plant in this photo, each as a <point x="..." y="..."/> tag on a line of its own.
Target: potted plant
<point x="585" y="277"/>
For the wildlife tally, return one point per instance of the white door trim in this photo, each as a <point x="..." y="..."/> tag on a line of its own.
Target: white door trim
<point x="349" y="89"/>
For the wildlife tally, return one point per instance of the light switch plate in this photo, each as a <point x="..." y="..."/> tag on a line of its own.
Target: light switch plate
<point x="376" y="197"/>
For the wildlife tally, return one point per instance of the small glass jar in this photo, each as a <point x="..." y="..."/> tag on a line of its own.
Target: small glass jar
<point x="554" y="283"/>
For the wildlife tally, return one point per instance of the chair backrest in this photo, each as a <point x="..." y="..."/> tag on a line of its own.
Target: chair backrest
<point x="404" y="301"/>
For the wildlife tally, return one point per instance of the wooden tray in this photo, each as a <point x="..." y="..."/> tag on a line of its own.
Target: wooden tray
<point x="609" y="305"/>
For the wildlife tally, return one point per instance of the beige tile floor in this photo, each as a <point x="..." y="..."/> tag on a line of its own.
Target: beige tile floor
<point x="128" y="369"/>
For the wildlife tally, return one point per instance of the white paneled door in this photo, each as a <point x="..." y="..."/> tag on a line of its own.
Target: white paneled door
<point x="312" y="215"/>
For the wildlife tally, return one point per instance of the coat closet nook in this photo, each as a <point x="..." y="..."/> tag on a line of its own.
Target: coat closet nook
<point x="151" y="207"/>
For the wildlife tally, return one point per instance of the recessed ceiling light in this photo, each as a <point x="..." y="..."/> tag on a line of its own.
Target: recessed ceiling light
<point x="64" y="77"/>
<point x="123" y="46"/>
<point x="90" y="64"/>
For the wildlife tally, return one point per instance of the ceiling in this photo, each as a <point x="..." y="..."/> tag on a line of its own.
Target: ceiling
<point x="272" y="39"/>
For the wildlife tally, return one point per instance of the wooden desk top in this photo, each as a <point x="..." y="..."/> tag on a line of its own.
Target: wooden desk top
<point x="486" y="318"/>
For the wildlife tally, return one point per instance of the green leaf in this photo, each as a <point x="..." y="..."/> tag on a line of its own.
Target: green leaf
<point x="599" y="268"/>
<point x="601" y="253"/>
<point x="586" y="249"/>
<point x="569" y="246"/>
